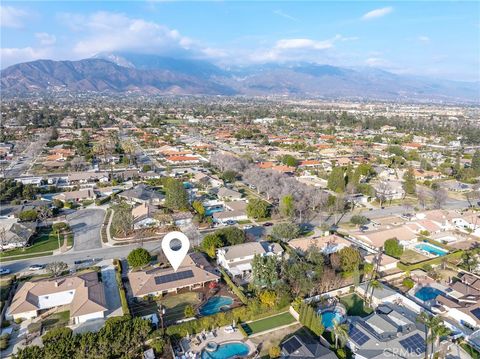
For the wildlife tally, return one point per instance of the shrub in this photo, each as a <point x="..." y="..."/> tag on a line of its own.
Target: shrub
<point x="393" y="248"/>
<point x="34" y="327"/>
<point x="274" y="352"/>
<point x="233" y="287"/>
<point x="189" y="311"/>
<point x="4" y="339"/>
<point x="139" y="257"/>
<point x="408" y="283"/>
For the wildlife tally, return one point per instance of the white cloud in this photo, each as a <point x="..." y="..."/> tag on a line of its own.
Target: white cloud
<point x="45" y="38"/>
<point x="285" y="15"/>
<point x="12" y="17"/>
<point x="423" y="38"/>
<point x="11" y="56"/>
<point x="287" y="44"/>
<point x="376" y="62"/>
<point x="106" y="31"/>
<point x="377" y="13"/>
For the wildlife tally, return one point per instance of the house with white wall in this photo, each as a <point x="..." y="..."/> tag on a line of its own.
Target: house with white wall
<point x="83" y="295"/>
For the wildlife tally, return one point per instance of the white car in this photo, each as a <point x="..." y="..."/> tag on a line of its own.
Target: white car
<point x="35" y="267"/>
<point x="4" y="271"/>
<point x="248" y="226"/>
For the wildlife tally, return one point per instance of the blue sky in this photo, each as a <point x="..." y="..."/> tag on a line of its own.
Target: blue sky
<point x="437" y="39"/>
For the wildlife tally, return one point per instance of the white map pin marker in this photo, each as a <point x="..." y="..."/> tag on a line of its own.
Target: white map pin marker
<point x="177" y="254"/>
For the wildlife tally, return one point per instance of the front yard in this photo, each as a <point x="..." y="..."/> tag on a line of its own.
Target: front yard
<point x="410" y="256"/>
<point x="44" y="241"/>
<point x="55" y="320"/>
<point x="262" y="325"/>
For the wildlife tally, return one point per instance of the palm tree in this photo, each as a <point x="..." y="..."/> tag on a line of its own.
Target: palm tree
<point x="375" y="284"/>
<point x="341" y="333"/>
<point x="438" y="330"/>
<point x="430" y="323"/>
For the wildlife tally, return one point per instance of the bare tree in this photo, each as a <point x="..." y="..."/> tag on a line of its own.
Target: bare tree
<point x="56" y="268"/>
<point x="440" y="196"/>
<point x="383" y="190"/>
<point x="422" y="196"/>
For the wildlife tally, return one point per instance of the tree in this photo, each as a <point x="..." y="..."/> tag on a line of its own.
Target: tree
<point x="359" y="220"/>
<point x="56" y="268"/>
<point x="257" y="208"/>
<point x="176" y="196"/>
<point x="122" y="221"/>
<point x="264" y="271"/>
<point x="210" y="244"/>
<point x="285" y="231"/>
<point x="393" y="248"/>
<point x="409" y="182"/>
<point x="383" y="189"/>
<point x="139" y="257"/>
<point x="336" y="180"/>
<point x="268" y="298"/>
<point x="189" y="311"/>
<point x="274" y="351"/>
<point x="28" y="215"/>
<point x="289" y="160"/>
<point x="439" y="196"/>
<point x="470" y="260"/>
<point x="374" y="284"/>
<point x="349" y="258"/>
<point x="476" y="162"/>
<point x="287" y="206"/>
<point x="229" y="176"/>
<point x="340" y="331"/>
<point x="199" y="208"/>
<point x="231" y="235"/>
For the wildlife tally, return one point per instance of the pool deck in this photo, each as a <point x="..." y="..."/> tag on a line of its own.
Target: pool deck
<point x="221" y="337"/>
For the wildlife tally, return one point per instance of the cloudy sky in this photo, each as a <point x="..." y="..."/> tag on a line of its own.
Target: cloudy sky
<point x="438" y="39"/>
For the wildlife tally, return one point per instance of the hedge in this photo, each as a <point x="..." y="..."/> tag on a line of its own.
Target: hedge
<point x="254" y="311"/>
<point x="103" y="200"/>
<point x="238" y="292"/>
<point x="433" y="261"/>
<point x="121" y="288"/>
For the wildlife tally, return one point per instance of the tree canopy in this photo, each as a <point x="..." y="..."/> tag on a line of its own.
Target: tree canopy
<point x="139" y="257"/>
<point x="393" y="248"/>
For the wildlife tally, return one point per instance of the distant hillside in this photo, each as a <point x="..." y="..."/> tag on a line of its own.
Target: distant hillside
<point x="150" y="74"/>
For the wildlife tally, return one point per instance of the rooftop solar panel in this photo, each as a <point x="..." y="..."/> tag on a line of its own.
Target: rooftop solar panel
<point x="172" y="277"/>
<point x="476" y="312"/>
<point x="292" y="345"/>
<point x="414" y="344"/>
<point x="357" y="336"/>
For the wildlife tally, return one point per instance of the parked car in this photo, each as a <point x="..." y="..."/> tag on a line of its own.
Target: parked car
<point x="36" y="267"/>
<point x="230" y="222"/>
<point x="268" y="224"/>
<point x="4" y="271"/>
<point x="248" y="226"/>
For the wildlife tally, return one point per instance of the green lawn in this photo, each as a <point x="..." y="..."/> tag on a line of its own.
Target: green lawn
<point x="472" y="351"/>
<point x="268" y="323"/>
<point x="175" y="304"/>
<point x="355" y="305"/>
<point x="56" y="320"/>
<point x="44" y="241"/>
<point x="410" y="256"/>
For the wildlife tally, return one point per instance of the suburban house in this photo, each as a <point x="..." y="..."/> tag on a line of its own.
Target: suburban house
<point x="390" y="331"/>
<point x="224" y="217"/>
<point x="182" y="218"/>
<point x="144" y="216"/>
<point x="142" y="194"/>
<point x="225" y="193"/>
<point x="17" y="234"/>
<point x="237" y="259"/>
<point x="462" y="301"/>
<point x="304" y="347"/>
<point x="387" y="263"/>
<point x="83" y="295"/>
<point x="376" y="239"/>
<point x="327" y="245"/>
<point x="160" y="281"/>
<point x="77" y="196"/>
<point x="87" y="177"/>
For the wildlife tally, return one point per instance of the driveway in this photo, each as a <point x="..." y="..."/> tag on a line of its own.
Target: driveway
<point x="111" y="292"/>
<point x="86" y="225"/>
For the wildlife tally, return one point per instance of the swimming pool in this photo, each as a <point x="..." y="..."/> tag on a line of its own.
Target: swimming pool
<point x="332" y="315"/>
<point x="431" y="249"/>
<point x="427" y="293"/>
<point x="212" y="210"/>
<point x="227" y="351"/>
<point x="215" y="305"/>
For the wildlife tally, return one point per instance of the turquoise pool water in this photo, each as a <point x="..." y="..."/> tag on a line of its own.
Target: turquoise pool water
<point x="212" y="210"/>
<point x="215" y="305"/>
<point x="331" y="316"/>
<point x="427" y="293"/>
<point x="432" y="249"/>
<point x="227" y="351"/>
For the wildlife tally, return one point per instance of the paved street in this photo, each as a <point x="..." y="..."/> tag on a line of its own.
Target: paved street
<point x="86" y="225"/>
<point x="21" y="165"/>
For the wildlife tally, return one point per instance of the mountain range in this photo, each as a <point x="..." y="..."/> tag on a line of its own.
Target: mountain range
<point x="158" y="75"/>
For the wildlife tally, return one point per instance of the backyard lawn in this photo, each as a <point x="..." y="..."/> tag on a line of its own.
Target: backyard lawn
<point x="268" y="323"/>
<point x="411" y="256"/>
<point x="44" y="241"/>
<point x="175" y="304"/>
<point x="354" y="305"/>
